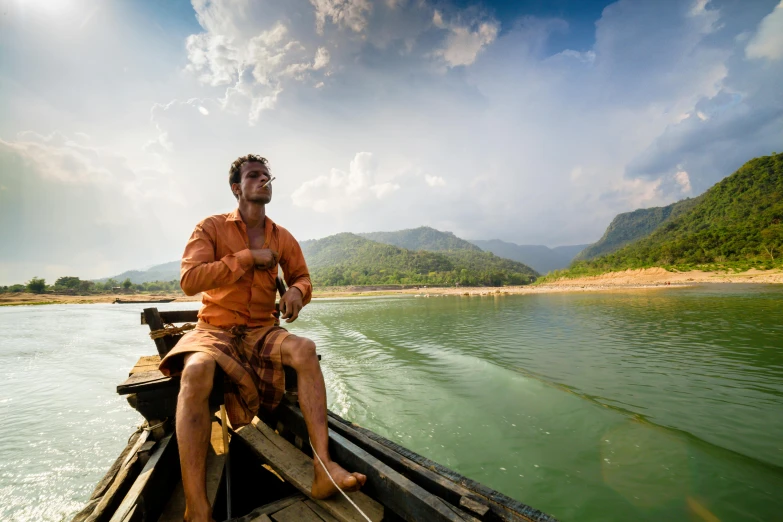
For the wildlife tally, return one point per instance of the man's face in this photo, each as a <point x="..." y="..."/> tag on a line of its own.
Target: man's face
<point x="253" y="176"/>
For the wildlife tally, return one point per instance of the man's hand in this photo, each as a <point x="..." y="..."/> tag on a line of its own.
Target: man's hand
<point x="290" y="304"/>
<point x="265" y="258"/>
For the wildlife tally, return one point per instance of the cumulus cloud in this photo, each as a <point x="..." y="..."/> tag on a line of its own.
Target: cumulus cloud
<point x="464" y="41"/>
<point x="350" y="14"/>
<point x="768" y="40"/>
<point x="341" y="190"/>
<point x="684" y="181"/>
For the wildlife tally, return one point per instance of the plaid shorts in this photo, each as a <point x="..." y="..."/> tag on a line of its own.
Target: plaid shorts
<point x="251" y="359"/>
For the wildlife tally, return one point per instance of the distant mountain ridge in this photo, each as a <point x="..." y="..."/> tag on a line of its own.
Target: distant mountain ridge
<point x="738" y="222"/>
<point x="422" y="238"/>
<point x="539" y="257"/>
<point x="163" y="272"/>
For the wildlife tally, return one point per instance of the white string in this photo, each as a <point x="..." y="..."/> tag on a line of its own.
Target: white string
<point x="338" y="487"/>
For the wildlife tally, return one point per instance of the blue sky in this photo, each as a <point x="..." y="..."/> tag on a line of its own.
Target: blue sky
<point x="533" y="122"/>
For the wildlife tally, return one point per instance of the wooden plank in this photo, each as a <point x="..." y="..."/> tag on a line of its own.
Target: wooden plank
<point x="261" y="518"/>
<point x="146" y="478"/>
<point x="298" y="512"/>
<point x="403" y="496"/>
<point x="122" y="482"/>
<point x="272" y="507"/>
<point x="318" y="510"/>
<point x="175" y="316"/>
<point x="146" y="381"/>
<point x="216" y="459"/>
<point x="146" y="363"/>
<point x="153" y="319"/>
<point x="296" y="468"/>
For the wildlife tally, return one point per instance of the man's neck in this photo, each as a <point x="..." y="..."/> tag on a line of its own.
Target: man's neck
<point x="253" y="214"/>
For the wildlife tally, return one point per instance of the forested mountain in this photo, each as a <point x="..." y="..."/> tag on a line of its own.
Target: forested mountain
<point x="422" y="238"/>
<point x="539" y="257"/>
<point x="628" y="227"/>
<point x="736" y="223"/>
<point x="348" y="259"/>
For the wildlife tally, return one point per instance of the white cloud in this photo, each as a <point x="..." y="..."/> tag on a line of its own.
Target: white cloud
<point x="203" y="110"/>
<point x="340" y="191"/>
<point x="351" y="14"/>
<point x="434" y="181"/>
<point x="768" y="40"/>
<point x="321" y="58"/>
<point x="684" y="181"/>
<point x="464" y="42"/>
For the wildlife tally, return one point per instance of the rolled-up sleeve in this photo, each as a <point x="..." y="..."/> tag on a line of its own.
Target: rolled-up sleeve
<point x="200" y="271"/>
<point x="295" y="268"/>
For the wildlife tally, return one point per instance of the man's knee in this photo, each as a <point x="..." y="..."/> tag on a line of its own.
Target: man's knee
<point x="303" y="353"/>
<point x="197" y="376"/>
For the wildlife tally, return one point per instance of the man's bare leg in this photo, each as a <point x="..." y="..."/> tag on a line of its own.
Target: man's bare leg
<point x="193" y="432"/>
<point x="299" y="353"/>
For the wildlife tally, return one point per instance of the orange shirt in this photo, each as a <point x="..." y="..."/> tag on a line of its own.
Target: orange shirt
<point x="217" y="262"/>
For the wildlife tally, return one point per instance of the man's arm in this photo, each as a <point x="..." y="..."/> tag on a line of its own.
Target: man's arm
<point x="300" y="289"/>
<point x="200" y="270"/>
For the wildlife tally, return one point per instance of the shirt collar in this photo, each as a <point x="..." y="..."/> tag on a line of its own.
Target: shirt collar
<point x="234" y="215"/>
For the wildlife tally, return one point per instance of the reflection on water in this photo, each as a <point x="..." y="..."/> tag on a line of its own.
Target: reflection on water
<point x="618" y="406"/>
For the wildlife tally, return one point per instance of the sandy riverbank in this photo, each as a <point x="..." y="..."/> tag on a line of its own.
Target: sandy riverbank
<point x="627" y="280"/>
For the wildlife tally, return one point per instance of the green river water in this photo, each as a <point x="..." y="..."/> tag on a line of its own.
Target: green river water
<point x="635" y="405"/>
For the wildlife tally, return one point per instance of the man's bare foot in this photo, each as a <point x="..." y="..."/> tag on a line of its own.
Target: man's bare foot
<point x="323" y="487"/>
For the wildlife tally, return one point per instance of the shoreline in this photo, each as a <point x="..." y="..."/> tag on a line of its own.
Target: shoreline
<point x="640" y="279"/>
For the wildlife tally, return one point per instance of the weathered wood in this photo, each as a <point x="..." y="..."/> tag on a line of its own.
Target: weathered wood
<point x="296" y="468"/>
<point x="149" y="490"/>
<point x="175" y="316"/>
<point x="129" y="468"/>
<point x="474" y="506"/>
<point x="405" y="497"/>
<point x="272" y="507"/>
<point x="318" y="510"/>
<point x="147" y="381"/>
<point x="146" y="363"/>
<point x="153" y="319"/>
<point x="298" y="512"/>
<point x="216" y="459"/>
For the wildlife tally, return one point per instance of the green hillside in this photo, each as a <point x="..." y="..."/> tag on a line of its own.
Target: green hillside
<point x="738" y="223"/>
<point x="628" y="227"/>
<point x="422" y="238"/>
<point x="348" y="259"/>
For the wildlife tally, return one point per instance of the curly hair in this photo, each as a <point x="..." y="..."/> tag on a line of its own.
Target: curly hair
<point x="235" y="172"/>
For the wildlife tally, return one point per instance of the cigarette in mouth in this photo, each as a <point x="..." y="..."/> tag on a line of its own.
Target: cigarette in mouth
<point x="268" y="182"/>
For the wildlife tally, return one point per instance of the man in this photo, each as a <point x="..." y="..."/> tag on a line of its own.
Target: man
<point x="232" y="259"/>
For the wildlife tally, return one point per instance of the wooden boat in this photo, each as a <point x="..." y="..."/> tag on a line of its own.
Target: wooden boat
<point x="268" y="464"/>
<point x="129" y="301"/>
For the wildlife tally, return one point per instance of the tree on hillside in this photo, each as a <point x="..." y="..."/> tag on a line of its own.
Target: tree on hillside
<point x="772" y="239"/>
<point x="127" y="284"/>
<point x="36" y="285"/>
